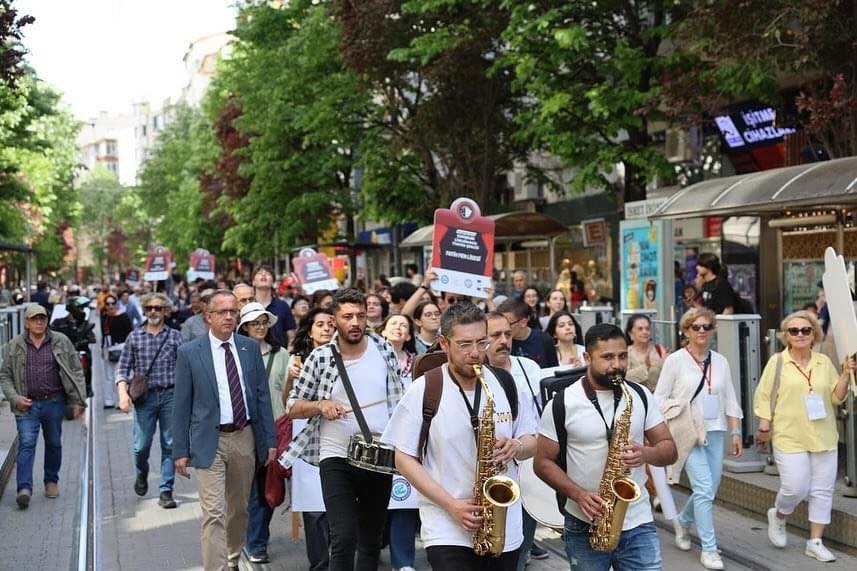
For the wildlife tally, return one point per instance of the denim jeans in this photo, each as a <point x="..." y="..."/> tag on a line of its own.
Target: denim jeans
<point x="529" y="536"/>
<point x="356" y="502"/>
<point x="47" y="415"/>
<point x="259" y="516"/>
<point x="638" y="549"/>
<point x="403" y="526"/>
<point x="155" y="410"/>
<point x="704" y="466"/>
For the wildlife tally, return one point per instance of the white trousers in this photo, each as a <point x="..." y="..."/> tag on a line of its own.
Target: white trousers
<point x="805" y="474"/>
<point x="110" y="393"/>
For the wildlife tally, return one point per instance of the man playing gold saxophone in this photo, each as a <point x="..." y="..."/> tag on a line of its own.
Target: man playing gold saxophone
<point x="605" y="446"/>
<point x="462" y="530"/>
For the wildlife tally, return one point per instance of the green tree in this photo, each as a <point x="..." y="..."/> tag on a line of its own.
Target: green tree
<point x="593" y="72"/>
<point x="100" y="194"/>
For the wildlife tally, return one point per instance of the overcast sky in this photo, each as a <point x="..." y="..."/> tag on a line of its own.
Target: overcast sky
<point x="106" y="54"/>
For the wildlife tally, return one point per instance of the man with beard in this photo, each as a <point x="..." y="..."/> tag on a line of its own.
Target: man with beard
<point x="356" y="499"/>
<point x="586" y="412"/>
<point x="527" y="375"/>
<point x="150" y="350"/>
<point x="443" y="466"/>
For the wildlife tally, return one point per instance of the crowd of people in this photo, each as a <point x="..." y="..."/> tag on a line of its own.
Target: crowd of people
<point x="211" y="366"/>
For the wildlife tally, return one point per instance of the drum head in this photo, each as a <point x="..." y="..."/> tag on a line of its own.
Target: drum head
<point x="538" y="498"/>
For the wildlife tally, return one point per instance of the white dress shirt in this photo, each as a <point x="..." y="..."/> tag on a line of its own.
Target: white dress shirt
<point x="223" y="394"/>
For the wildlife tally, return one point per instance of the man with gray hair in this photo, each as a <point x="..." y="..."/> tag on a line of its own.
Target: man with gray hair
<point x="195" y="326"/>
<point x="150" y="352"/>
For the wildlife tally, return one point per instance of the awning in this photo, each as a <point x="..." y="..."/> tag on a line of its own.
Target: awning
<point x="509" y="227"/>
<point x="828" y="184"/>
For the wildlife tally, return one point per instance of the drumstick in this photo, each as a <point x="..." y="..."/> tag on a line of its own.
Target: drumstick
<point x="368" y="405"/>
<point x="296" y="527"/>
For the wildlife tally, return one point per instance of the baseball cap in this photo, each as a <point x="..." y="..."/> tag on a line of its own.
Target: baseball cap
<point x="35" y="310"/>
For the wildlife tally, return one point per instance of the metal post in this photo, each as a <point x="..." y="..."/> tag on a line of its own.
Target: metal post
<point x="552" y="257"/>
<point x="850" y="447"/>
<point x="29" y="275"/>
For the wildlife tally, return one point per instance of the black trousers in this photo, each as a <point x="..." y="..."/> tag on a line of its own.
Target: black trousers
<point x="356" y="502"/>
<point x="317" y="540"/>
<point x="456" y="558"/>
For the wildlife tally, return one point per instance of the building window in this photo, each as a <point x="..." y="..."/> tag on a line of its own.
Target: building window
<point x="111" y="148"/>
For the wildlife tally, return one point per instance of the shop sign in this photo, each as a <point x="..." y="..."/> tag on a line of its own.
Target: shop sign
<point x="462" y="249"/>
<point x="594" y="232"/>
<point x="314" y="271"/>
<point x="688" y="229"/>
<point x="713" y="226"/>
<point x="643" y="208"/>
<point x="751" y="126"/>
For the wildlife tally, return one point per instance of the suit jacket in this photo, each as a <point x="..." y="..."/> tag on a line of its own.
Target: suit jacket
<point x="196" y="406"/>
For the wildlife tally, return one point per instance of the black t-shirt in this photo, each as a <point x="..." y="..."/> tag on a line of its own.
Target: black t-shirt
<point x="717" y="295"/>
<point x="538" y="346"/>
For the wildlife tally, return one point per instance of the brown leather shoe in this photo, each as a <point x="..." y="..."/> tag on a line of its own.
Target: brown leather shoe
<point x="52" y="490"/>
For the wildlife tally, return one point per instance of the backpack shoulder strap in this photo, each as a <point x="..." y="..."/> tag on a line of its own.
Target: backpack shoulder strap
<point x="776" y="388"/>
<point x="431" y="400"/>
<point x="642" y="394"/>
<point x="507" y="381"/>
<point x="558" y="410"/>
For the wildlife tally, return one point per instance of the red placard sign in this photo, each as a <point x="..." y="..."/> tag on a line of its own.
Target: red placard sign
<point x="132" y="277"/>
<point x="313" y="271"/>
<point x="462" y="249"/>
<point x="158" y="264"/>
<point x="201" y="265"/>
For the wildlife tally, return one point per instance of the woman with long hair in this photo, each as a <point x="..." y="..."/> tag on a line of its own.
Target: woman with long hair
<point x="377" y="310"/>
<point x="256" y="323"/>
<point x="533" y="299"/>
<point x="702" y="377"/>
<point x="645" y="358"/>
<point x="563" y="329"/>
<point x="796" y="402"/>
<point x="554" y="301"/>
<point x="315" y="330"/>
<point x="115" y="328"/>
<point x="321" y="298"/>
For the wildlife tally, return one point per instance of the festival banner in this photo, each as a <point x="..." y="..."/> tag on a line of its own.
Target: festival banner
<point x="462" y="249"/>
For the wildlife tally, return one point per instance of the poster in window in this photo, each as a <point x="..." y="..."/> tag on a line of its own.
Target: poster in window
<point x="641" y="265"/>
<point x="314" y="271"/>
<point x="462" y="249"/>
<point x="800" y="284"/>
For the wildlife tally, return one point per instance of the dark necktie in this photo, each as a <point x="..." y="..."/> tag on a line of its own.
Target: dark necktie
<point x="239" y="411"/>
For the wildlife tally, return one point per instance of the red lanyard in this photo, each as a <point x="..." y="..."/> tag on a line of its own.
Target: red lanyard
<point x="805" y="376"/>
<point x="701" y="365"/>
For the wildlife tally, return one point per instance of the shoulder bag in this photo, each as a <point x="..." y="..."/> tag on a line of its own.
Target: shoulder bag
<point x="139" y="385"/>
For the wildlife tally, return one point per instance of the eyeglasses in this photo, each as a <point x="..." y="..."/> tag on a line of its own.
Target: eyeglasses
<point x="225" y="312"/>
<point x="153" y="308"/>
<point x="257" y="323"/>
<point x="795" y="331"/>
<point x="517" y="321"/>
<point x="702" y="327"/>
<point x="468" y="346"/>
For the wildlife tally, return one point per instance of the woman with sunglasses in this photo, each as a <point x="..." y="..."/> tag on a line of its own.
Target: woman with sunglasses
<point x="702" y="376"/>
<point x="256" y="323"/>
<point x="315" y="330"/>
<point x="803" y="430"/>
<point x="115" y="328"/>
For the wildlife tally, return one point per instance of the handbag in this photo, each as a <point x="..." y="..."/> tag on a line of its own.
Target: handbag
<point x="139" y="386"/>
<point x="114" y="352"/>
<point x="275" y="474"/>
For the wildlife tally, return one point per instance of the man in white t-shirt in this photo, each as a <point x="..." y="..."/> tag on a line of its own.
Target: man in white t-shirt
<point x="356" y="499"/>
<point x="445" y="472"/>
<point x="592" y="406"/>
<point x="527" y="375"/>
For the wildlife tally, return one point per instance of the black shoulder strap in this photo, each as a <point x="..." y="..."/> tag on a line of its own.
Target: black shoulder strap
<point x="642" y="394"/>
<point x="558" y="409"/>
<point x="706" y="364"/>
<point x="158" y="352"/>
<point x="507" y="381"/>
<point x="352" y="398"/>
<point x="431" y="400"/>
<point x="539" y="407"/>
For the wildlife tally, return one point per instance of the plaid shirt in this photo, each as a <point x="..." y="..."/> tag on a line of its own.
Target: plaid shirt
<point x="318" y="376"/>
<point x="139" y="352"/>
<point x="43" y="372"/>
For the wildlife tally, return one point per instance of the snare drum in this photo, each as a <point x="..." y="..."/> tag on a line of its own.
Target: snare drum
<point x="538" y="498"/>
<point x="372" y="456"/>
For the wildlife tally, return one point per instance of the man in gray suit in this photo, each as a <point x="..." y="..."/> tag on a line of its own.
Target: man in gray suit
<point x="222" y="426"/>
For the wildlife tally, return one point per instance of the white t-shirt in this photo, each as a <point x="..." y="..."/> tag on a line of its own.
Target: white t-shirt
<point x="527" y="372"/>
<point x="451" y="455"/>
<point x="368" y="376"/>
<point x="586" y="451"/>
<point x="680" y="377"/>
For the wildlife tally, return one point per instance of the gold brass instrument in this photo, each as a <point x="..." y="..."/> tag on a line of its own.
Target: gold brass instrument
<point x="617" y="489"/>
<point x="492" y="490"/>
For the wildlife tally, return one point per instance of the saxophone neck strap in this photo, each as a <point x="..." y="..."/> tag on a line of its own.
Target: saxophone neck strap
<point x="473" y="409"/>
<point x="592" y="395"/>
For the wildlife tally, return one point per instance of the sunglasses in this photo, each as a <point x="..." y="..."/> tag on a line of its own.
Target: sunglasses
<point x="702" y="327"/>
<point x="109" y="303"/>
<point x="795" y="331"/>
<point x="153" y="308"/>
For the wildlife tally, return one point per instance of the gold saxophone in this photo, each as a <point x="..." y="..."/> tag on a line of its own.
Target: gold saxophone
<point x="617" y="489"/>
<point x="493" y="491"/>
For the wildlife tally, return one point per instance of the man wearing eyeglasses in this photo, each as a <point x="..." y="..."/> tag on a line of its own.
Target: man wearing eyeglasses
<point x="527" y="341"/>
<point x="151" y="348"/>
<point x="444" y="472"/>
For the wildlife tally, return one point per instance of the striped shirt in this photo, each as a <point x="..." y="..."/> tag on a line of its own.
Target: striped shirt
<point x="139" y="353"/>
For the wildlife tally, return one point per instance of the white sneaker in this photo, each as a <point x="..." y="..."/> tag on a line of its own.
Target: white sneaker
<point x="404" y="569"/>
<point x="816" y="549"/>
<point x="777" y="529"/>
<point x="711" y="560"/>
<point x="682" y="538"/>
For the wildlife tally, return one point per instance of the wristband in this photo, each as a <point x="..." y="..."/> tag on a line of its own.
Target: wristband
<point x="736" y="432"/>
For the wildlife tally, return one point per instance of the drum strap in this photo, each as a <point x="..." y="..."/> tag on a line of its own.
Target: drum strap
<point x="352" y="398"/>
